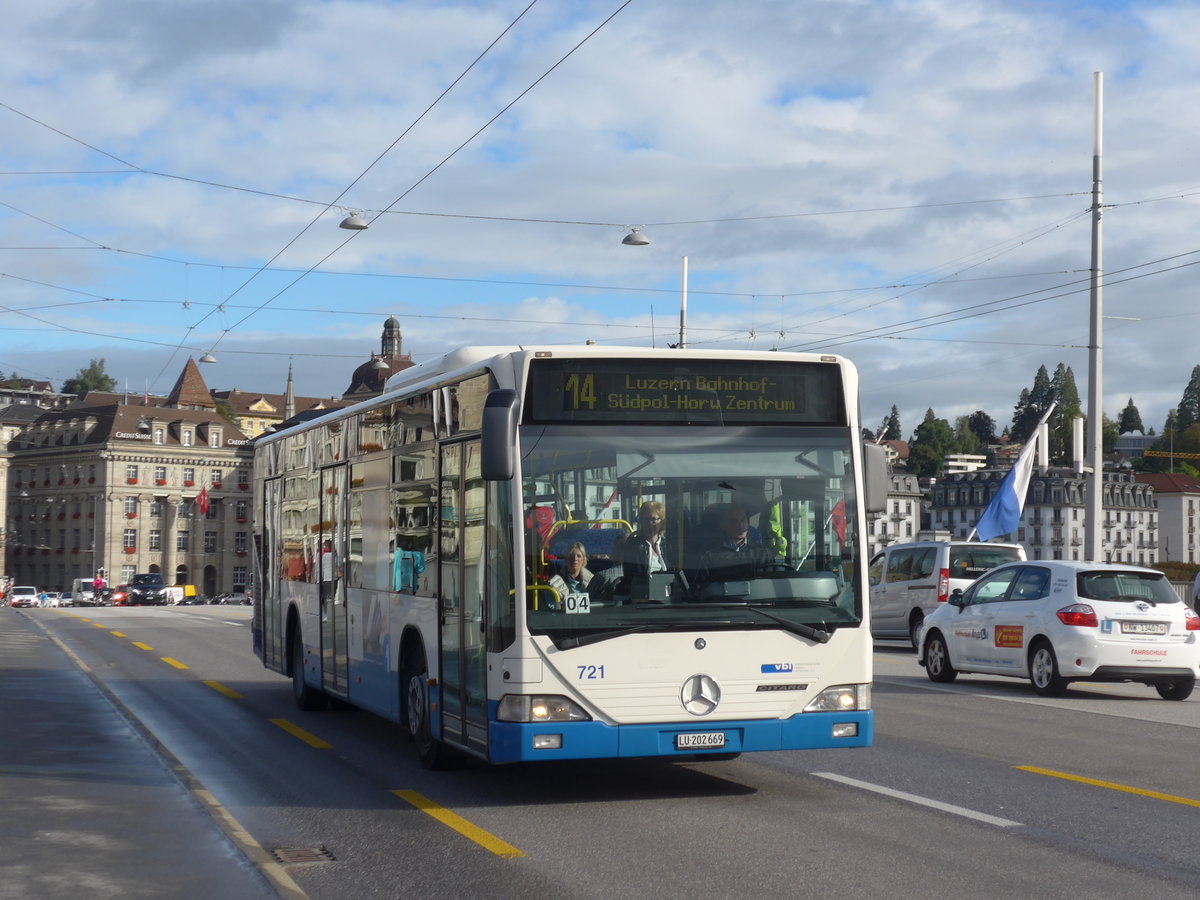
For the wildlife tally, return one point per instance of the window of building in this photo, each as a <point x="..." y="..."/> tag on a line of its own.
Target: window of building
<point x="160" y="474"/>
<point x="131" y="474"/>
<point x="239" y="541"/>
<point x="155" y="539"/>
<point x="239" y="575"/>
<point x="210" y="542"/>
<point x="127" y="573"/>
<point x="131" y="507"/>
<point x="240" y="510"/>
<point x="158" y="434"/>
<point x="185" y="437"/>
<point x="129" y="538"/>
<point x="214" y="437"/>
<point x="243" y="477"/>
<point x="181" y="541"/>
<point x="215" y="475"/>
<point x="156" y="509"/>
<point x="189" y="477"/>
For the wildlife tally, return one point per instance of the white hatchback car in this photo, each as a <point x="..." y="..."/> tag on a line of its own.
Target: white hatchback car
<point x="1055" y="622"/>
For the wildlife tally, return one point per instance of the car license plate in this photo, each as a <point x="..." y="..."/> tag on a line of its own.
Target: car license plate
<point x="702" y="740"/>
<point x="1143" y="628"/>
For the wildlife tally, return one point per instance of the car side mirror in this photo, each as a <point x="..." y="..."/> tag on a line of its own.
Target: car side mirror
<point x="957" y="599"/>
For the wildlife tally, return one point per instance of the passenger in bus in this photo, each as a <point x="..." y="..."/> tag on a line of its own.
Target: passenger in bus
<point x="734" y="555"/>
<point x="645" y="551"/>
<point x="329" y="570"/>
<point x="575" y="577"/>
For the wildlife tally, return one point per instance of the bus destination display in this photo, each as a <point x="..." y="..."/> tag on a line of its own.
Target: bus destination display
<point x="659" y="391"/>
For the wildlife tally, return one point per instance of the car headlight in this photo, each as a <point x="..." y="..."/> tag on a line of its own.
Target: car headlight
<point x="539" y="708"/>
<point x="841" y="698"/>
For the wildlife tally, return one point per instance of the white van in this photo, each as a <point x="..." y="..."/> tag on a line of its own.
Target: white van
<point x="908" y="581"/>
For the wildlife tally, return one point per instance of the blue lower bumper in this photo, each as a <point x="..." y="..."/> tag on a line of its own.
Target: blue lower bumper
<point x="513" y="742"/>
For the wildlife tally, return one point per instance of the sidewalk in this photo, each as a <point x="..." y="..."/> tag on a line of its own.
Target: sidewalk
<point x="87" y="807"/>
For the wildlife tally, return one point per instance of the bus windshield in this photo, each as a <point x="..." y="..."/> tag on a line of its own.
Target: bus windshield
<point x="656" y="528"/>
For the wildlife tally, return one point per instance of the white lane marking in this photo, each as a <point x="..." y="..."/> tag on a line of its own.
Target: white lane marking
<point x="922" y="801"/>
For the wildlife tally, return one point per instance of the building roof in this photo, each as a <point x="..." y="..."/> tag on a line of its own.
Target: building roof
<point x="190" y="391"/>
<point x="251" y="403"/>
<point x="1170" y="483"/>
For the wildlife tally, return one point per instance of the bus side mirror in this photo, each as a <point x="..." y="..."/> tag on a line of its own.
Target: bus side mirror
<point x="875" y="478"/>
<point x="498" y="442"/>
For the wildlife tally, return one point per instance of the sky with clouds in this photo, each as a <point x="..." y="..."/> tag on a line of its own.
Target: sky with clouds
<point x="906" y="182"/>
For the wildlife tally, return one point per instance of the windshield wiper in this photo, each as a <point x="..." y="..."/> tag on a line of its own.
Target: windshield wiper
<point x="807" y="631"/>
<point x="570" y="643"/>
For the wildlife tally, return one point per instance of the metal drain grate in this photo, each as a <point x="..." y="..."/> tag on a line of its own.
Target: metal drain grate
<point x="294" y="856"/>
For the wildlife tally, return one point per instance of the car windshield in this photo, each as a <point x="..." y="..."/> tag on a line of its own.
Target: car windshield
<point x="972" y="561"/>
<point x="1150" y="587"/>
<point x="653" y="529"/>
<point x="148" y="580"/>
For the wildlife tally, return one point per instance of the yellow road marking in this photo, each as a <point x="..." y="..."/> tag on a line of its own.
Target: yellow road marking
<point x="221" y="689"/>
<point x="142" y="646"/>
<point x="117" y="634"/>
<point x="296" y="731"/>
<point x="484" y="839"/>
<point x="99" y="625"/>
<point x="173" y="662"/>
<point x="1066" y="776"/>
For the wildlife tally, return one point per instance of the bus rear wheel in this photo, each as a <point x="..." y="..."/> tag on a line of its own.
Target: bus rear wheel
<point x="416" y="713"/>
<point x="307" y="698"/>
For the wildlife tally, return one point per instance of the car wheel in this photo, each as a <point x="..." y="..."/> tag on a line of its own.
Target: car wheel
<point x="1179" y="689"/>
<point x="937" y="660"/>
<point x="1043" y="671"/>
<point x="307" y="698"/>
<point x="416" y="713"/>
<point x="915" y="621"/>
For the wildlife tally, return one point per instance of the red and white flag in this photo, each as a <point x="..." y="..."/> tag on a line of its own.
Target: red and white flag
<point x="202" y="501"/>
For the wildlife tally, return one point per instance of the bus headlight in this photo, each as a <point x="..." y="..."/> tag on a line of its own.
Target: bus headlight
<point x="539" y="708"/>
<point x="841" y="698"/>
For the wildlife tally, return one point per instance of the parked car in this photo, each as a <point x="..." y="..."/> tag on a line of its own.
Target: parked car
<point x="1059" y="621"/>
<point x="23" y="596"/>
<point x="909" y="580"/>
<point x="147" y="589"/>
<point x="50" y="599"/>
<point x="66" y="598"/>
<point x="232" y="598"/>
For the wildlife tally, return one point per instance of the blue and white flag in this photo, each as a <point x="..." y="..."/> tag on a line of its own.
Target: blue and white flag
<point x="1003" y="514"/>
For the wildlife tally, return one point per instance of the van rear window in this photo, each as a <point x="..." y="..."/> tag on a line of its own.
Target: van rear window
<point x="971" y="562"/>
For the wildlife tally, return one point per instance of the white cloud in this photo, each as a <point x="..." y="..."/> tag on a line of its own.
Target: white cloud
<point x="673" y="112"/>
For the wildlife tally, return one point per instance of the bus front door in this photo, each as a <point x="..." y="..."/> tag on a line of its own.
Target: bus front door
<point x="460" y="558"/>
<point x="330" y="565"/>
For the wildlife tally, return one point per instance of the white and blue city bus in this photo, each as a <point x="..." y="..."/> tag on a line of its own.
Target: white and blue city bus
<point x="408" y="547"/>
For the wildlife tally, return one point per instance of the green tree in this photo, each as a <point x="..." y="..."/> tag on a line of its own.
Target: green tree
<point x="932" y="440"/>
<point x="1131" y="419"/>
<point x="966" y="439"/>
<point x="92" y="378"/>
<point x="14" y="381"/>
<point x="892" y="430"/>
<point x="983" y="426"/>
<point x="1067" y="407"/>
<point x="1108" y="437"/>
<point x="1188" y="411"/>
<point x="1032" y="404"/>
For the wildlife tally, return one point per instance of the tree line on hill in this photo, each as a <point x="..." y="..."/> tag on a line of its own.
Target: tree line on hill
<point x="935" y="438"/>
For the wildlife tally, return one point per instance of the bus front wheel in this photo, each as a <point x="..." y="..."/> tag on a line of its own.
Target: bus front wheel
<point x="416" y="713"/>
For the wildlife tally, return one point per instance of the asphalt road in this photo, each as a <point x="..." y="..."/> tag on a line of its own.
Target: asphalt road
<point x="976" y="789"/>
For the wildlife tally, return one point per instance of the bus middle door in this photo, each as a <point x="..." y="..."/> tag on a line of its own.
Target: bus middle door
<point x="331" y="566"/>
<point x="460" y="558"/>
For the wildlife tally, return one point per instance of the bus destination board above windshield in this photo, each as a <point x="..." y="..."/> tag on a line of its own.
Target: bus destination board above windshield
<point x="662" y="391"/>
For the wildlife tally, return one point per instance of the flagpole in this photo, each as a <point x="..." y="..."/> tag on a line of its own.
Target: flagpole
<point x="1095" y="430"/>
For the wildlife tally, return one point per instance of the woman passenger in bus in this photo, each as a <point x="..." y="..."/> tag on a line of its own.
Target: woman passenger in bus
<point x="575" y="577"/>
<point x="645" y="550"/>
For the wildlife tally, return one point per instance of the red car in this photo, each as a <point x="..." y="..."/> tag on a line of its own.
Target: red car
<point x="119" y="595"/>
